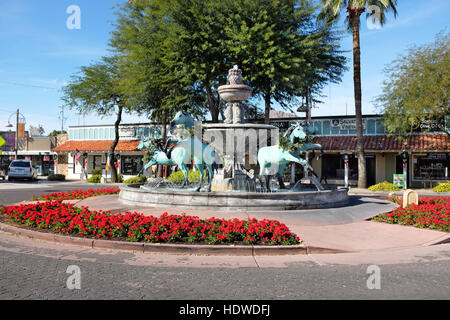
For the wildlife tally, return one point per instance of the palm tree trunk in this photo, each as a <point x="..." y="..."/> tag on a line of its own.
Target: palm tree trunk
<point x="355" y="22"/>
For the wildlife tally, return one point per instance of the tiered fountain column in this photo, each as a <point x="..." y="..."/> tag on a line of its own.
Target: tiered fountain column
<point x="237" y="141"/>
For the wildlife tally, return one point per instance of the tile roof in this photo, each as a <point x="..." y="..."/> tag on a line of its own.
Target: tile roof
<point x="96" y="145"/>
<point x="421" y="143"/>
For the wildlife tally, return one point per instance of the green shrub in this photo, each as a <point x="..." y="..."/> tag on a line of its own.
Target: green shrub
<point x="142" y="178"/>
<point x="120" y="178"/>
<point x="56" y="177"/>
<point x="178" y="176"/>
<point x="97" y="172"/>
<point x="443" y="187"/>
<point x="95" y="179"/>
<point x="383" y="186"/>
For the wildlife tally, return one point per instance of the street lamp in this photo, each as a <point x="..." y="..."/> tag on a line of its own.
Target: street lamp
<point x="20" y="119"/>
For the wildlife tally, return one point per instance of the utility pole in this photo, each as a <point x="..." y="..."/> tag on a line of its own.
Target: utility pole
<point x="17" y="136"/>
<point x="62" y="118"/>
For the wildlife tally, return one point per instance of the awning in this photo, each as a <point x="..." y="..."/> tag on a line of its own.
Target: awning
<point x="96" y="145"/>
<point x="416" y="143"/>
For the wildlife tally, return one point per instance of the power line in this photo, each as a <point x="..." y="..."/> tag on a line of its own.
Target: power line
<point x="27" y="85"/>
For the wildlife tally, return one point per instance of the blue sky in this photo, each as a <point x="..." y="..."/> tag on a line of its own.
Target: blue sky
<point x="39" y="54"/>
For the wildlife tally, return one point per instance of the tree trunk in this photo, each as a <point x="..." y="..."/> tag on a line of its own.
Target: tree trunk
<point x="267" y="98"/>
<point x="112" y="158"/>
<point x="159" y="172"/>
<point x="213" y="105"/>
<point x="355" y="21"/>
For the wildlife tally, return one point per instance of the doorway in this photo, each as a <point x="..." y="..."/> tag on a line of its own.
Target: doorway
<point x="371" y="170"/>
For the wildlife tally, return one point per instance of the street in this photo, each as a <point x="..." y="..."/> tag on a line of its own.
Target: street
<point x="31" y="269"/>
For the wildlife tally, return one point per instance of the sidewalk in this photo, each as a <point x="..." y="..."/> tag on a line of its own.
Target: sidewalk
<point x="337" y="229"/>
<point x="420" y="192"/>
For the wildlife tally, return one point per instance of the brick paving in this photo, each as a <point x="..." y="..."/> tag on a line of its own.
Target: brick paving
<point x="37" y="270"/>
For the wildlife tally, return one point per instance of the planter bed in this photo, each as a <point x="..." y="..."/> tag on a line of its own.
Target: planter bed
<point x="66" y="219"/>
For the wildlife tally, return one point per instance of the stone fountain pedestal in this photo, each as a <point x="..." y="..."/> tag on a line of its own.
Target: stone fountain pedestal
<point x="236" y="141"/>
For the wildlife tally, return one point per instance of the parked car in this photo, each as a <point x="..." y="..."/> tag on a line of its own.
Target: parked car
<point x="22" y="169"/>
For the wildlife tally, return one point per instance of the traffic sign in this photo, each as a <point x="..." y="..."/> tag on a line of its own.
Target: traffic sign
<point x="2" y="142"/>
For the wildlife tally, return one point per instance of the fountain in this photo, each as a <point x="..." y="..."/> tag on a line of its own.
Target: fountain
<point x="241" y="149"/>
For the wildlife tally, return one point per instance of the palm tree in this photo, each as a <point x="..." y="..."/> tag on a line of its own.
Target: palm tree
<point x="330" y="12"/>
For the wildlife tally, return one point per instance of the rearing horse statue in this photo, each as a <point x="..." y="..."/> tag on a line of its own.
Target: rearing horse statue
<point x="184" y="151"/>
<point x="272" y="160"/>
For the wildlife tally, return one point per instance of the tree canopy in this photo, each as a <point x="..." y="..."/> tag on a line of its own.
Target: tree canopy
<point x="177" y="52"/>
<point x="417" y="86"/>
<point x="98" y="89"/>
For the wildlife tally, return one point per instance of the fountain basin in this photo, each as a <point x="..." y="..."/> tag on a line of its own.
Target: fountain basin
<point x="235" y="92"/>
<point x="232" y="200"/>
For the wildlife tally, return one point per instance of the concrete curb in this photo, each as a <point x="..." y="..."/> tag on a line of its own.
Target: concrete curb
<point x="163" y="248"/>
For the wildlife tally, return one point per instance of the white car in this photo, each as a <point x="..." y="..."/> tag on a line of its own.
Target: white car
<point x="22" y="169"/>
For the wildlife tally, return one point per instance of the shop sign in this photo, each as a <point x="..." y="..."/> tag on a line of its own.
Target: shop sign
<point x="434" y="125"/>
<point x="437" y="156"/>
<point x="399" y="180"/>
<point x="281" y="124"/>
<point x="127" y="132"/>
<point x="346" y="124"/>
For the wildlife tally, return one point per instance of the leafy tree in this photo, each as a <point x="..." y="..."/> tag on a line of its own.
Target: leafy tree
<point x="97" y="89"/>
<point x="417" y="86"/>
<point x="55" y="133"/>
<point x="36" y="130"/>
<point x="179" y="51"/>
<point x="283" y="51"/>
<point x="330" y="12"/>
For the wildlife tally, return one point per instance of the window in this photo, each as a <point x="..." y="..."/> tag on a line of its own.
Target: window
<point x="112" y="134"/>
<point x="371" y="126"/>
<point x="91" y="134"/>
<point x="71" y="134"/>
<point x="333" y="166"/>
<point x="431" y="166"/>
<point x="106" y="133"/>
<point x="146" y="132"/>
<point x="317" y="127"/>
<point x="101" y="134"/>
<point x="380" y="127"/>
<point x="326" y="127"/>
<point x="131" y="165"/>
<point x="95" y="133"/>
<point x="140" y="132"/>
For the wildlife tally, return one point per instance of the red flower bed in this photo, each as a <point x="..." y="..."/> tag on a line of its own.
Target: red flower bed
<point x="135" y="227"/>
<point x="79" y="194"/>
<point x="431" y="213"/>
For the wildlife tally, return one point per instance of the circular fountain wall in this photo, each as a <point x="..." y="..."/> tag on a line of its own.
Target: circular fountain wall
<point x="232" y="200"/>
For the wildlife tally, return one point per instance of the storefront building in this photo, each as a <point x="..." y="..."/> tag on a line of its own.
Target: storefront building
<point x="36" y="149"/>
<point x="427" y="150"/>
<point x="94" y="143"/>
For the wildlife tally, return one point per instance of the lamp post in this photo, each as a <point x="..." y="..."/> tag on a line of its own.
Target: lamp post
<point x="19" y="119"/>
<point x="405" y="157"/>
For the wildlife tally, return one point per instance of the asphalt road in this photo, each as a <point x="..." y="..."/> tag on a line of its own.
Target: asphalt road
<point x="18" y="191"/>
<point x="35" y="270"/>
